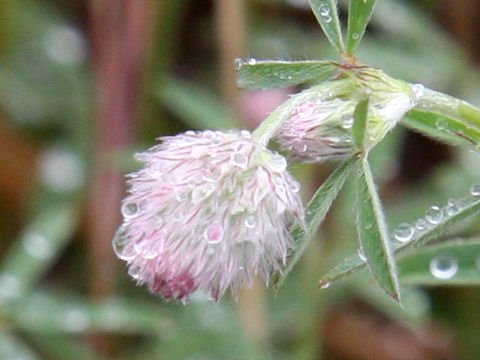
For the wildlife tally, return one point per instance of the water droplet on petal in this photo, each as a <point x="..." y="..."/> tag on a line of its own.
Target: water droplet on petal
<point x="214" y="233"/>
<point x="129" y="210"/>
<point x="403" y="232"/>
<point x="200" y="193"/>
<point x="475" y="190"/>
<point x="250" y="221"/>
<point x="135" y="272"/>
<point x="434" y="215"/>
<point x="294" y="186"/>
<point x="347" y="121"/>
<point x="278" y="163"/>
<point x="444" y="266"/>
<point x="121" y="245"/>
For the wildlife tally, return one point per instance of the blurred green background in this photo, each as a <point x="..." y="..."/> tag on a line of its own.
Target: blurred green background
<point x="85" y="83"/>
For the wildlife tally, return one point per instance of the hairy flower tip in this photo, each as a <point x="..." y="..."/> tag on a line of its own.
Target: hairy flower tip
<point x="318" y="121"/>
<point x="208" y="210"/>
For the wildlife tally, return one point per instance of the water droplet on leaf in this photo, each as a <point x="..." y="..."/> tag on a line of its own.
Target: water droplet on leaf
<point x="214" y="234"/>
<point x="403" y="232"/>
<point x="434" y="215"/>
<point x="475" y="190"/>
<point x="444" y="266"/>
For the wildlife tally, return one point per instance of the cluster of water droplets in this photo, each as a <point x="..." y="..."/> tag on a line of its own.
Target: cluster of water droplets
<point x="325" y="14"/>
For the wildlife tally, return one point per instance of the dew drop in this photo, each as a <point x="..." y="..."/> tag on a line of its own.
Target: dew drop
<point x="418" y="90"/>
<point x="121" y="245"/>
<point x="238" y="63"/>
<point x="214" y="234"/>
<point x="452" y="207"/>
<point x="295" y="186"/>
<point x="324" y="284"/>
<point x="200" y="193"/>
<point x="250" y="221"/>
<point x="347" y="121"/>
<point x="212" y="175"/>
<point x="278" y="163"/>
<point x="252" y="61"/>
<point x="245" y="134"/>
<point x="135" y="272"/>
<point x="444" y="266"/>
<point x="403" y="232"/>
<point x="355" y="36"/>
<point x="324" y="11"/>
<point x="475" y="190"/>
<point x="421" y="224"/>
<point x="434" y="215"/>
<point x="129" y="210"/>
<point x="441" y="123"/>
<point x="328" y="19"/>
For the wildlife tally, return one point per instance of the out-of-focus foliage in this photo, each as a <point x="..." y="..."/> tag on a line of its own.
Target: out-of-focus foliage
<point x="47" y="97"/>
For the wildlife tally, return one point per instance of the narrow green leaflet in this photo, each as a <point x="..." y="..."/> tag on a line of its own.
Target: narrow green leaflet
<point x="435" y="224"/>
<point x="195" y="105"/>
<point x="455" y="262"/>
<point x="373" y="234"/>
<point x="50" y="313"/>
<point x="360" y="116"/>
<point x="316" y="211"/>
<point x="442" y="127"/>
<point x="444" y="117"/>
<point x="327" y="16"/>
<point x="269" y="74"/>
<point x="13" y="347"/>
<point x="359" y="13"/>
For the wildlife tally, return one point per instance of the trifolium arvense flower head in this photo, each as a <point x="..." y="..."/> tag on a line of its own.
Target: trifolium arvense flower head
<point x="317" y="122"/>
<point x="208" y="211"/>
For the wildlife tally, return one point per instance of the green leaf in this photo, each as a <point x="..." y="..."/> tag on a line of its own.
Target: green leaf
<point x="195" y="105"/>
<point x="315" y="213"/>
<point x="444" y="117"/>
<point x="359" y="13"/>
<point x="269" y="74"/>
<point x="14" y="347"/>
<point x="373" y="234"/>
<point x="441" y="127"/>
<point x="455" y="262"/>
<point x="360" y="116"/>
<point x="51" y="313"/>
<point x="327" y="16"/>
<point x="466" y="208"/>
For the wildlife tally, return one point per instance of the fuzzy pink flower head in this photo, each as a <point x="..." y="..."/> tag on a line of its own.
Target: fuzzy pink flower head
<point x="208" y="210"/>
